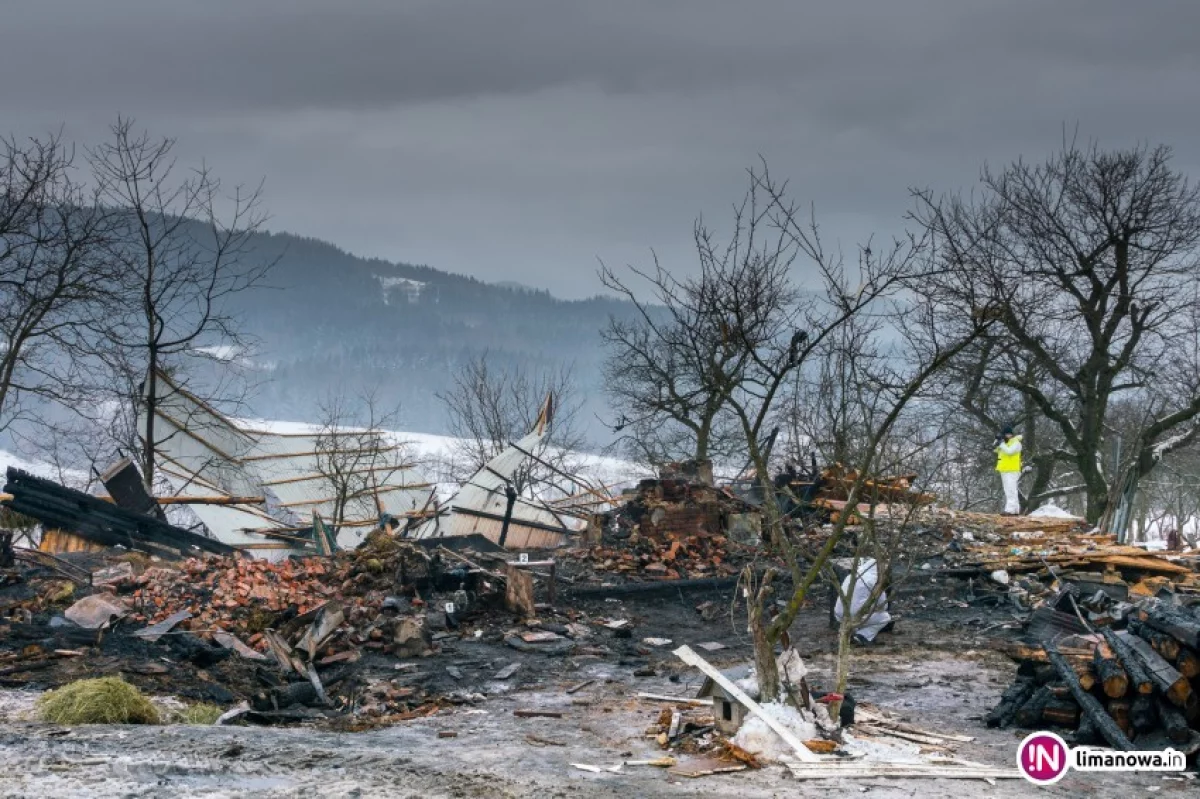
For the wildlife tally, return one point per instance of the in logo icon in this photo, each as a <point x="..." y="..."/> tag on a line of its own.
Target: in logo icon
<point x="1042" y="758"/>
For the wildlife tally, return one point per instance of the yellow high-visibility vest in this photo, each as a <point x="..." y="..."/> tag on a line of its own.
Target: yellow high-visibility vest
<point x="1008" y="455"/>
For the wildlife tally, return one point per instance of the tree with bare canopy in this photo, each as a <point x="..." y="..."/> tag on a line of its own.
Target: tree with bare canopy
<point x="56" y="286"/>
<point x="742" y="336"/>
<point x="182" y="245"/>
<point x="490" y="406"/>
<point x="1087" y="262"/>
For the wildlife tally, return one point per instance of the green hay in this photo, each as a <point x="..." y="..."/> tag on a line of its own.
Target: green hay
<point x="199" y="713"/>
<point x="107" y="700"/>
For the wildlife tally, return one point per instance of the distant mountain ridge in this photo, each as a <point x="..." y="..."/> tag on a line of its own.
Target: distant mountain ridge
<point x="329" y="320"/>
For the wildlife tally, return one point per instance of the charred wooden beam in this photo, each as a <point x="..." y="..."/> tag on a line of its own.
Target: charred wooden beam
<point x="1061" y="712"/>
<point x="1143" y="713"/>
<point x="1089" y="705"/>
<point x="1160" y="642"/>
<point x="1011" y="700"/>
<point x="1139" y="679"/>
<point x="1165" y="677"/>
<point x="89" y="517"/>
<point x="1119" y="710"/>
<point x="1188" y="662"/>
<point x="1173" y="722"/>
<point x="1030" y="713"/>
<point x="1174" y="622"/>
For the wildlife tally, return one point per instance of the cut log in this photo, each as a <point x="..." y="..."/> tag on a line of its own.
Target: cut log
<point x="1011" y="700"/>
<point x="1062" y="712"/>
<point x="1030" y="713"/>
<point x="1119" y="710"/>
<point x="1089" y="705"/>
<point x="1143" y="712"/>
<point x="1166" y="679"/>
<point x="1188" y="662"/>
<point x="1109" y="672"/>
<point x="1160" y="642"/>
<point x="1173" y="722"/>
<point x="1139" y="679"/>
<point x="1175" y="622"/>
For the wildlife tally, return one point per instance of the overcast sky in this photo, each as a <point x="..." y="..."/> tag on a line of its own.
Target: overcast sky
<point x="525" y="139"/>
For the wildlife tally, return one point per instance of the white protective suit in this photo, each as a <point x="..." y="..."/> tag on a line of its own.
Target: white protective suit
<point x="863" y="586"/>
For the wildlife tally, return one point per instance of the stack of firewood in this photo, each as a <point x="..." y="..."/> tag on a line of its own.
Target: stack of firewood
<point x="1115" y="687"/>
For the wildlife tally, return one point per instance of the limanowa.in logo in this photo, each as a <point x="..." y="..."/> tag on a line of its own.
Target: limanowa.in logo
<point x="1044" y="758"/>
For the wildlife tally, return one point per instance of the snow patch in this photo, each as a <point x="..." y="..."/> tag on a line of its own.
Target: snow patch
<point x="755" y="736"/>
<point x="401" y="286"/>
<point x="1052" y="511"/>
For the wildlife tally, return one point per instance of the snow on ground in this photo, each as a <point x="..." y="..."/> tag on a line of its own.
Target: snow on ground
<point x="436" y="453"/>
<point x="1052" y="511"/>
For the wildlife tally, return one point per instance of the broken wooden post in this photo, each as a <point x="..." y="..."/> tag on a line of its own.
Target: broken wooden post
<point x="518" y="593"/>
<point x="1088" y="704"/>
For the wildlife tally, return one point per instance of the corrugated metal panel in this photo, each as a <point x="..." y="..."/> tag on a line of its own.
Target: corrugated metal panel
<point x="480" y="505"/>
<point x="207" y="453"/>
<point x="519" y="535"/>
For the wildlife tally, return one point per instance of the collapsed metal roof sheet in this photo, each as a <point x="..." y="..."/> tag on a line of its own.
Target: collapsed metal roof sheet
<point x="481" y="503"/>
<point x="205" y="453"/>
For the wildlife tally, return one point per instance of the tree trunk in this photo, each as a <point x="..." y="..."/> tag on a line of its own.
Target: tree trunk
<point x="764" y="648"/>
<point x="1097" y="502"/>
<point x="151" y="404"/>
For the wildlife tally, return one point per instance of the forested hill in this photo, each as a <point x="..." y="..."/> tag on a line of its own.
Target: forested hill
<point x="328" y="320"/>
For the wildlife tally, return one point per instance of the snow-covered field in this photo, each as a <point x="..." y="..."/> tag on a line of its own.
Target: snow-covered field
<point x="434" y="453"/>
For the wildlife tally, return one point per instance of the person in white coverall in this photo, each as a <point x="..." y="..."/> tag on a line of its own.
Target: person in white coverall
<point x="879" y="617"/>
<point x="1008" y="464"/>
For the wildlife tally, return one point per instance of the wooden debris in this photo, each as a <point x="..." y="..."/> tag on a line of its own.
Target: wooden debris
<point x="705" y="767"/>
<point x="518" y="596"/>
<point x="1089" y="704"/>
<point x="1173" y="684"/>
<point x="1130" y="663"/>
<point x="1112" y="677"/>
<point x="574" y="689"/>
<point x="685" y="700"/>
<point x="537" y="714"/>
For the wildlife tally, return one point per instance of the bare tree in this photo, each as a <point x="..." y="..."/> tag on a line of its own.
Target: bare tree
<point x="882" y="388"/>
<point x="1087" y="262"/>
<point x="55" y="284"/>
<point x="184" y="249"/>
<point x="358" y="454"/>
<point x="657" y="372"/>
<point x="489" y="408"/>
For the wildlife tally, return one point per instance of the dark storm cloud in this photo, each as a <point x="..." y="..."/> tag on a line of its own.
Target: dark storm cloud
<point x="521" y="139"/>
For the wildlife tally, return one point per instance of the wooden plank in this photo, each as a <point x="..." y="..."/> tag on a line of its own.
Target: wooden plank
<point x="689" y="657"/>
